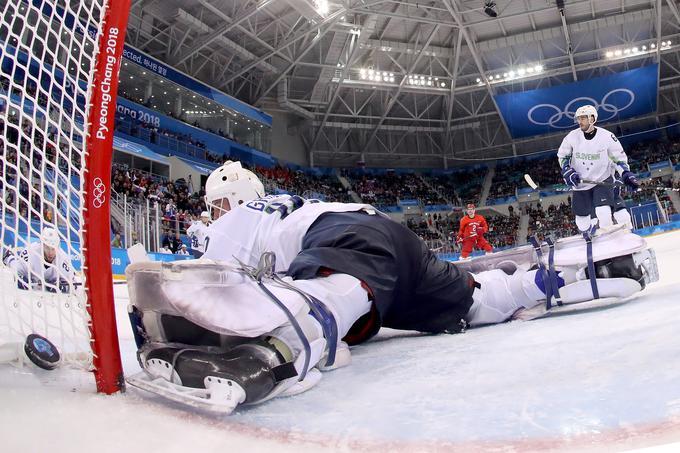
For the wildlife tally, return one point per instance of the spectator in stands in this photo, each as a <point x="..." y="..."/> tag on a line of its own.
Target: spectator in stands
<point x="117" y="242"/>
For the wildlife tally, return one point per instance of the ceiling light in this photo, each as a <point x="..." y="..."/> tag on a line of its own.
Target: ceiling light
<point x="538" y="68"/>
<point x="609" y="54"/>
<point x="618" y="53"/>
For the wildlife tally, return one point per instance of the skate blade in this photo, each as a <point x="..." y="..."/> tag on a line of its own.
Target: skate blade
<point x="206" y="399"/>
<point x="539" y="311"/>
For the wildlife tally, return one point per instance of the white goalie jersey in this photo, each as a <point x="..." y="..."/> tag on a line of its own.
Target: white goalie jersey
<point x="257" y="226"/>
<point x="33" y="271"/>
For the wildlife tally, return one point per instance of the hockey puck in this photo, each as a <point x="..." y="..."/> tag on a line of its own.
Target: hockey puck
<point x="42" y="352"/>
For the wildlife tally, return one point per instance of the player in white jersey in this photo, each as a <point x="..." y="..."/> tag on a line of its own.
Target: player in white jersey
<point x="587" y="153"/>
<point x="292" y="282"/>
<point x="42" y="265"/>
<point x="197" y="233"/>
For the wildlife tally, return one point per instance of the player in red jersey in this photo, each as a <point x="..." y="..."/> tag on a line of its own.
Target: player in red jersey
<point x="471" y="232"/>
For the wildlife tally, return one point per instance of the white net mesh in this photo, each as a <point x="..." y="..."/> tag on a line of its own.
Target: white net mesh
<point x="48" y="51"/>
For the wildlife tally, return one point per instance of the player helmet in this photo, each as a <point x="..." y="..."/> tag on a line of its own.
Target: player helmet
<point x="233" y="183"/>
<point x="205" y="214"/>
<point x="50" y="237"/>
<point x="586" y="110"/>
<point x="50" y="241"/>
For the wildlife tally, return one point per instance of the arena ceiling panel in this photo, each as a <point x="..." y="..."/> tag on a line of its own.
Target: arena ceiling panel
<point x="410" y="83"/>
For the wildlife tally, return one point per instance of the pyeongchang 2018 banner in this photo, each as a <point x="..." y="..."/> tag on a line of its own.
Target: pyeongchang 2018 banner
<point x="619" y="96"/>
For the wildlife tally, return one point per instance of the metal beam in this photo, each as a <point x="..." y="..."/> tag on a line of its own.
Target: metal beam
<point x="674" y="9"/>
<point x="330" y="21"/>
<point x="452" y="88"/>
<point x="250" y="34"/>
<point x="219" y="31"/>
<point x="451" y="6"/>
<point x="366" y="31"/>
<point x="570" y="49"/>
<point x="392" y="100"/>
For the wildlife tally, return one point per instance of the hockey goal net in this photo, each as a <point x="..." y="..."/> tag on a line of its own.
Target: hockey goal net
<point x="59" y="63"/>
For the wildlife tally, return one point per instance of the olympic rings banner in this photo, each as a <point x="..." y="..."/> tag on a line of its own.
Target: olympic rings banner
<point x="618" y="96"/>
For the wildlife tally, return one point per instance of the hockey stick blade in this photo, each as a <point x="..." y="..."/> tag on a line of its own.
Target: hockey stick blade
<point x="530" y="181"/>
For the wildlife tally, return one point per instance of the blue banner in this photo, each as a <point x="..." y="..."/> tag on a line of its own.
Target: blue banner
<point x="194" y="85"/>
<point x="618" y="96"/>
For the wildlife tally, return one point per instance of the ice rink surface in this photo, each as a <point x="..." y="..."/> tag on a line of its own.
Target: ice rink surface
<point x="602" y="380"/>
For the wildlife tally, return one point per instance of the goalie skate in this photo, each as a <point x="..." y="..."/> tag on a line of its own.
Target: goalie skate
<point x="218" y="379"/>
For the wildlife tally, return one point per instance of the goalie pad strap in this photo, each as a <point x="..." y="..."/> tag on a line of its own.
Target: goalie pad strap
<point x="591" y="265"/>
<point x="547" y="281"/>
<point x="554" y="281"/>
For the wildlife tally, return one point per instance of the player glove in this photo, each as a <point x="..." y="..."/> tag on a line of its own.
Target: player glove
<point x="630" y="180"/>
<point x="570" y="176"/>
<point x="6" y="254"/>
<point x="64" y="286"/>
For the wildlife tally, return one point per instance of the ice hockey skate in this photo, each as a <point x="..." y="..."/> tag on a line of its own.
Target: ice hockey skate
<point x="191" y="355"/>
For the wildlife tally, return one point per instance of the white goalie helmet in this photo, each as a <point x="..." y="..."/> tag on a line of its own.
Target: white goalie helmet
<point x="231" y="182"/>
<point x="586" y="110"/>
<point x="50" y="237"/>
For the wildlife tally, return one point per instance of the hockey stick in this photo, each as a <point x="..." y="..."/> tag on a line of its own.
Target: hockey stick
<point x="529" y="180"/>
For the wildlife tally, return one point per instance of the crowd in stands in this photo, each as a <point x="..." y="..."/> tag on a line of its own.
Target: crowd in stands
<point x="390" y="188"/>
<point x="160" y="136"/>
<point x="459" y="187"/>
<point x="178" y="203"/>
<point x="557" y="220"/>
<point x="423" y="227"/>
<point x="502" y="230"/>
<point x="35" y="160"/>
<point x="322" y="187"/>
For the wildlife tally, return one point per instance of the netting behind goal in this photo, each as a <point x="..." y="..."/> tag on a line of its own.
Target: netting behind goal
<point x="59" y="62"/>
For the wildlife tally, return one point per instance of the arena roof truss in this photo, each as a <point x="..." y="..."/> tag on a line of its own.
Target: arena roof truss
<point x="406" y="82"/>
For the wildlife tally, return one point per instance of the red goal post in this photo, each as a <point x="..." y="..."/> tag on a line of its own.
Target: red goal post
<point x="59" y="67"/>
<point x="96" y="250"/>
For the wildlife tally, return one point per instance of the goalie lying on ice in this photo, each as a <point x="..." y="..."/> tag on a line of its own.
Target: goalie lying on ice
<point x="307" y="279"/>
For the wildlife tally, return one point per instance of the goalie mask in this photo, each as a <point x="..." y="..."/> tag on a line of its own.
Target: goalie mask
<point x="229" y="186"/>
